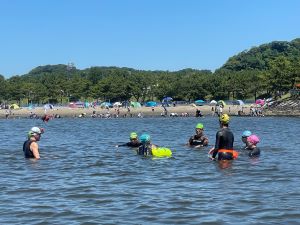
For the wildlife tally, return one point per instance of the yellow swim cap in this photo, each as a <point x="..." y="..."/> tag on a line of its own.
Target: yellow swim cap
<point x="224" y="119"/>
<point x="133" y="135"/>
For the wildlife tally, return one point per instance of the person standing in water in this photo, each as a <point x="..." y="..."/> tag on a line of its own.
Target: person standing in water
<point x="146" y="147"/>
<point x="252" y="141"/>
<point x="199" y="139"/>
<point x="134" y="141"/>
<point x="31" y="147"/>
<point x="224" y="141"/>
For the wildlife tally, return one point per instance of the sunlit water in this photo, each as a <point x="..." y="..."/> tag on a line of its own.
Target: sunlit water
<point x="83" y="179"/>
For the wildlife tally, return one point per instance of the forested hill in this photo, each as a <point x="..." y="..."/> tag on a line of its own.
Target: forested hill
<point x="259" y="72"/>
<point x="259" y="58"/>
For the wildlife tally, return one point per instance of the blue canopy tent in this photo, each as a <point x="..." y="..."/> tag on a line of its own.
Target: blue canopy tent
<point x="151" y="104"/>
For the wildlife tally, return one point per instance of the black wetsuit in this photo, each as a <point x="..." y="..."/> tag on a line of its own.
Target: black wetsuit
<point x="131" y="144"/>
<point x="224" y="140"/>
<point x="26" y="149"/>
<point x="255" y="152"/>
<point x="196" y="140"/>
<point x="144" y="149"/>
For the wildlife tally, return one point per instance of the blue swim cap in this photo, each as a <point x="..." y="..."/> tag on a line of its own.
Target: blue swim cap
<point x="145" y="138"/>
<point x="246" y="133"/>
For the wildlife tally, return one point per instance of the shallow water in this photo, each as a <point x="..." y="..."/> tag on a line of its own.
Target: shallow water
<point x="83" y="179"/>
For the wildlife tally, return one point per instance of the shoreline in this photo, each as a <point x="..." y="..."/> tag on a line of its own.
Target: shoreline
<point x="177" y="111"/>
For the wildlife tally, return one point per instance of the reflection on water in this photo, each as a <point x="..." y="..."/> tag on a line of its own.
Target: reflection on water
<point x="83" y="178"/>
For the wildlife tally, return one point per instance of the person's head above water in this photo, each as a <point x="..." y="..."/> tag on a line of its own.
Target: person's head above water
<point x="145" y="138"/>
<point x="245" y="135"/>
<point x="35" y="132"/>
<point x="253" y="139"/>
<point x="224" y="119"/>
<point x="133" y="136"/>
<point x="199" y="128"/>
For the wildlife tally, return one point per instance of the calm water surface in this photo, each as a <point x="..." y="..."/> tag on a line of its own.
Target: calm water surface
<point x="83" y="179"/>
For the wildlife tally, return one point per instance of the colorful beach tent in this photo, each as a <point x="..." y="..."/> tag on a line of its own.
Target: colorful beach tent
<point x="135" y="104"/>
<point x="117" y="104"/>
<point x="221" y="102"/>
<point x="151" y="104"/>
<point x="167" y="99"/>
<point x="199" y="102"/>
<point x="14" y="106"/>
<point x="48" y="106"/>
<point x="259" y="102"/>
<point x="213" y="102"/>
<point x="105" y="104"/>
<point x="238" y="102"/>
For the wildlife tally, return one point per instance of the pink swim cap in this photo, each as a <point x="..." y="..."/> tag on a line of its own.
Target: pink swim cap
<point x="253" y="139"/>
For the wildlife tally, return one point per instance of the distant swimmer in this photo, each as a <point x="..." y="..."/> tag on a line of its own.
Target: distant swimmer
<point x="245" y="135"/>
<point x="199" y="139"/>
<point x="31" y="147"/>
<point x="46" y="118"/>
<point x="134" y="141"/>
<point x="252" y="141"/>
<point x="224" y="141"/>
<point x="146" y="147"/>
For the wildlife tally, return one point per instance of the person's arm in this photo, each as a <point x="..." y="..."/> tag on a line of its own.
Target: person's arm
<point x="205" y="141"/>
<point x="190" y="141"/>
<point x="216" y="148"/>
<point x="35" y="150"/>
<point x="122" y="145"/>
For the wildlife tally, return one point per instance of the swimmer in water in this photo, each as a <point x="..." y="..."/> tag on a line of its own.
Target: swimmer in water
<point x="134" y="141"/>
<point x="252" y="141"/>
<point x="31" y="147"/>
<point x="199" y="139"/>
<point x="245" y="135"/>
<point x="224" y="141"/>
<point x="146" y="147"/>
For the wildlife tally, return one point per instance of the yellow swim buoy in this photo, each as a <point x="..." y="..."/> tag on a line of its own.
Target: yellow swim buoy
<point x="161" y="152"/>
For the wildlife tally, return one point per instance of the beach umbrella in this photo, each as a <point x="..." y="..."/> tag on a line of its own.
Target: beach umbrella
<point x="135" y="104"/>
<point x="213" y="102"/>
<point x="199" y="102"/>
<point x="259" y="102"/>
<point x="151" y="104"/>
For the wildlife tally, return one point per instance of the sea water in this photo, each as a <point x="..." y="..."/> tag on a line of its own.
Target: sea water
<point x="82" y="178"/>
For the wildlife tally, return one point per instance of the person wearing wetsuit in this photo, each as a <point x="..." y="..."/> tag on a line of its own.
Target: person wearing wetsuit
<point x="199" y="139"/>
<point x="146" y="147"/>
<point x="224" y="141"/>
<point x="252" y="141"/>
<point x="134" y="141"/>
<point x="30" y="146"/>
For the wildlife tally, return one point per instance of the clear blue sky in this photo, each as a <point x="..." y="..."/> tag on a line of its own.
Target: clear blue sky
<point x="141" y="34"/>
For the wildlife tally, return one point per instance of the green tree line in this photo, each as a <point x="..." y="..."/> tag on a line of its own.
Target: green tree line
<point x="259" y="72"/>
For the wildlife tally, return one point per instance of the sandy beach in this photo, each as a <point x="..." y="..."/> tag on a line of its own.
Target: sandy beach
<point x="179" y="110"/>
